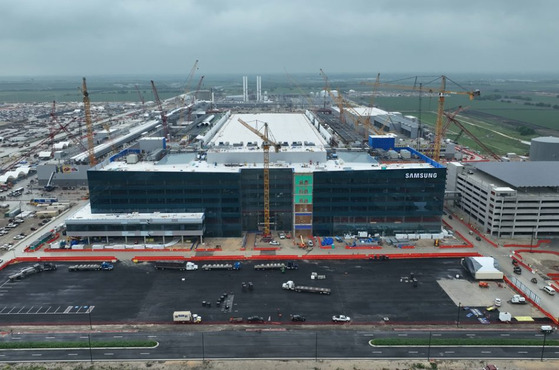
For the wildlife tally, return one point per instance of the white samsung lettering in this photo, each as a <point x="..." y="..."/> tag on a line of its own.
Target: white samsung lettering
<point x="421" y="175"/>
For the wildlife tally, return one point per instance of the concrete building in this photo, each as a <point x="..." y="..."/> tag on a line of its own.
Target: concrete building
<point x="312" y="190"/>
<point x="509" y="199"/>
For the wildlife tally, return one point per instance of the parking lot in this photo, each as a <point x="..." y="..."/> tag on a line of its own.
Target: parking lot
<point x="368" y="291"/>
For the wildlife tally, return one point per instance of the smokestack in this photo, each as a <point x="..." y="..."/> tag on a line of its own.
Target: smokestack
<point x="245" y="88"/>
<point x="259" y="88"/>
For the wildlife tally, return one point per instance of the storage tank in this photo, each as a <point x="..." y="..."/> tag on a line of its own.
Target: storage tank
<point x="544" y="148"/>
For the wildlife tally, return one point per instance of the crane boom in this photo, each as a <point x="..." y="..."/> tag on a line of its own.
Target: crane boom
<point x="442" y="91"/>
<point x="89" y="125"/>
<point x="194" y="97"/>
<point x="162" y="112"/>
<point x="266" y="143"/>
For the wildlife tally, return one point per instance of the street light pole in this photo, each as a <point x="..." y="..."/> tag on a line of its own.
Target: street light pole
<point x="90" y="350"/>
<point x="543" y="346"/>
<point x="458" y="315"/>
<point x="429" y="348"/>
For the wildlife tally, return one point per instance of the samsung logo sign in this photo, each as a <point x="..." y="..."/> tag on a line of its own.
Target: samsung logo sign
<point x="421" y="175"/>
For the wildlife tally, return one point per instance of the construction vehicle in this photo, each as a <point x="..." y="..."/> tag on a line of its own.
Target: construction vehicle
<point x="36" y="268"/>
<point x="290" y="285"/>
<point x="186" y="317"/>
<point x="222" y="266"/>
<point x="267" y="142"/>
<point x="175" y="265"/>
<point x="518" y="299"/>
<point x="483" y="284"/>
<point x="104" y="266"/>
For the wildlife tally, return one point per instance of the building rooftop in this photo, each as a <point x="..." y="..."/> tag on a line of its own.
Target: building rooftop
<point x="84" y="216"/>
<point x="283" y="127"/>
<point x="523" y="174"/>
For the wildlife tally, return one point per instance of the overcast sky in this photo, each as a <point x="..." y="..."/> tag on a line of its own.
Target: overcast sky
<point x="91" y="37"/>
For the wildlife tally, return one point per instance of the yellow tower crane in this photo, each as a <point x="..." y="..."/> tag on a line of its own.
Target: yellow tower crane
<point x="266" y="144"/>
<point x="89" y="125"/>
<point x="442" y="91"/>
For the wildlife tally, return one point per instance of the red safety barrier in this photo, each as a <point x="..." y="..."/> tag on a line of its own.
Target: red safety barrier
<point x="364" y="247"/>
<point x="207" y="249"/>
<point x="550" y="316"/>
<point x="267" y="248"/>
<point x="68" y="258"/>
<point x="473" y="230"/>
<point x="120" y="250"/>
<point x="537" y="245"/>
<point x="446" y="246"/>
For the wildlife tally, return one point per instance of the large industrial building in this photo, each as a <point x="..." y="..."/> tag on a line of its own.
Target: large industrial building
<point x="219" y="190"/>
<point x="509" y="199"/>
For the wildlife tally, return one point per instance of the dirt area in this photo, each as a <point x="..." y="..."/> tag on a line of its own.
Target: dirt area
<point x="297" y="365"/>
<point x="541" y="263"/>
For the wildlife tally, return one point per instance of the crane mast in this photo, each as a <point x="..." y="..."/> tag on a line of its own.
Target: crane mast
<point x="89" y="125"/>
<point x="162" y="112"/>
<point x="266" y="144"/>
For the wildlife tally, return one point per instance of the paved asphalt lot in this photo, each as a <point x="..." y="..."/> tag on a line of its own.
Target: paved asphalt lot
<point x="368" y="291"/>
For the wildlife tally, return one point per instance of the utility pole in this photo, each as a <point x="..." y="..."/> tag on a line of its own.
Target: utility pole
<point x="458" y="315"/>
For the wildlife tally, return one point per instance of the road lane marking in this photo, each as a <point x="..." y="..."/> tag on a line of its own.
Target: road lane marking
<point x="486" y="352"/>
<point x="49" y="337"/>
<point x="109" y="354"/>
<point x="448" y="351"/>
<point x="377" y="352"/>
<point x="437" y="335"/>
<point x="144" y="353"/>
<point x="72" y="354"/>
<point x="412" y="352"/>
<point x="402" y="335"/>
<point x="152" y="336"/>
<point x="471" y="335"/>
<point x="117" y="336"/>
<point x="505" y="335"/>
<point x="36" y="354"/>
<point x="84" y="337"/>
<point x="522" y="352"/>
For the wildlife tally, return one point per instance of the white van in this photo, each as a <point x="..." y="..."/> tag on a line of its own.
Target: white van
<point x="549" y="290"/>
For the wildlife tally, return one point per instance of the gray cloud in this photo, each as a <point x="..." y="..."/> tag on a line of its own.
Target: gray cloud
<point x="246" y="36"/>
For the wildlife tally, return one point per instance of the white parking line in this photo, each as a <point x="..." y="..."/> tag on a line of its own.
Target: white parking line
<point x="39" y="309"/>
<point x="72" y="354"/>
<point x="412" y="352"/>
<point x="36" y="354"/>
<point x="522" y="352"/>
<point x="448" y="351"/>
<point x="377" y="352"/>
<point x="109" y="354"/>
<point x="485" y="352"/>
<point x="30" y="309"/>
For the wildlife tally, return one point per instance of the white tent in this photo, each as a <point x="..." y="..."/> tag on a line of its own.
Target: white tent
<point x="483" y="268"/>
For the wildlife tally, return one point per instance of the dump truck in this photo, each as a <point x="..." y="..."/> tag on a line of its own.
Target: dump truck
<point x="186" y="317"/>
<point x="222" y="266"/>
<point x="175" y="265"/>
<point x="290" y="285"/>
<point x="518" y="299"/>
<point x="104" y="266"/>
<point x="277" y="266"/>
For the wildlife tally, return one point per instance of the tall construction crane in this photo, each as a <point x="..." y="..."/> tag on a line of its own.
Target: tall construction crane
<point x="194" y="97"/>
<point x="162" y="112"/>
<point x="140" y="95"/>
<point x="336" y="99"/>
<point x="89" y="125"/>
<point x="266" y="144"/>
<point x="442" y="91"/>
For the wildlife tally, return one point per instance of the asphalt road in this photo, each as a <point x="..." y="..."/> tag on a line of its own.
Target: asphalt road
<point x="368" y="291"/>
<point x="262" y="344"/>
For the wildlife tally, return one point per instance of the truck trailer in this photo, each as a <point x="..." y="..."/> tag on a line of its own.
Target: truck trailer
<point x="175" y="265"/>
<point x="290" y="285"/>
<point x="222" y="266"/>
<point x="277" y="266"/>
<point x="105" y="266"/>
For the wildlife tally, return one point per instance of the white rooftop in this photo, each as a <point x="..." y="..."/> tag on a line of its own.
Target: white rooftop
<point x="84" y="216"/>
<point x="365" y="111"/>
<point x="283" y="127"/>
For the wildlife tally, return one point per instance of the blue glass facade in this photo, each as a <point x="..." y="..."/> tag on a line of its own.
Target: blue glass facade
<point x="378" y="201"/>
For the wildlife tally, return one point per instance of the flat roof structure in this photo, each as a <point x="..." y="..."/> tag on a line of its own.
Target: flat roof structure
<point x="523" y="174"/>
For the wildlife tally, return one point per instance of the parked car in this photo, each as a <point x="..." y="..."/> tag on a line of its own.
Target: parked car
<point x="517" y="270"/>
<point x="341" y="318"/>
<point x="274" y="242"/>
<point x="281" y="235"/>
<point x="19" y="237"/>
<point x="33" y="229"/>
<point x="255" y="319"/>
<point x="298" y="318"/>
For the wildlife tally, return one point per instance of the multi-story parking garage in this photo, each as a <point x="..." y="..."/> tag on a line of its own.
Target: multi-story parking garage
<point x="385" y="190"/>
<point x="509" y="199"/>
